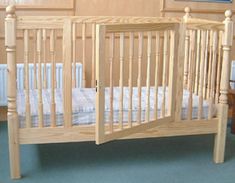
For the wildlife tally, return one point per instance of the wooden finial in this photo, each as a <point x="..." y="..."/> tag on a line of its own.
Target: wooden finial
<point x="187" y="12"/>
<point x="10" y="11"/>
<point x="228" y="14"/>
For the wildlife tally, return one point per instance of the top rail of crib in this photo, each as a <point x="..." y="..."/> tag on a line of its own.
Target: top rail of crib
<point x="57" y="22"/>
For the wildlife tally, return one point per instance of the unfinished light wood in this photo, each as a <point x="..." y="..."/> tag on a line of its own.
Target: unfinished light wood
<point x="74" y="54"/>
<point x="218" y="73"/>
<point x="84" y="54"/>
<point x="12" y="116"/>
<point x="139" y="81"/>
<point x="44" y="38"/>
<point x="213" y="74"/>
<point x="111" y="60"/>
<point x="67" y="73"/>
<point x="201" y="78"/>
<point x="121" y="80"/>
<point x="101" y="132"/>
<point x="208" y="89"/>
<point x="174" y="41"/>
<point x="164" y="74"/>
<point x="196" y="86"/>
<point x="131" y="59"/>
<point x="180" y="73"/>
<point x="100" y="85"/>
<point x="35" y="58"/>
<point x="53" y="78"/>
<point x="149" y="57"/>
<point x="219" y="148"/>
<point x="191" y="73"/>
<point x="206" y="65"/>
<point x="26" y="66"/>
<point x="93" y="55"/>
<point x="186" y="51"/>
<point x="156" y="75"/>
<point x="39" y="82"/>
<point x="87" y="132"/>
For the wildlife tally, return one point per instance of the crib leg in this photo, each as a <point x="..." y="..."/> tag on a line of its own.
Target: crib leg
<point x="220" y="137"/>
<point x="14" y="147"/>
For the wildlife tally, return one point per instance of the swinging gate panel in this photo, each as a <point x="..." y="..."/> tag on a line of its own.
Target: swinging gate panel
<point x="148" y="45"/>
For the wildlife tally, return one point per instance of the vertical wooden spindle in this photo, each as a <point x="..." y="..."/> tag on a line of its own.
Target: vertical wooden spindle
<point x="174" y="38"/>
<point x="131" y="57"/>
<point x="53" y="77"/>
<point x="74" y="55"/>
<point x="206" y="66"/>
<point x="197" y="62"/>
<point x="26" y="66"/>
<point x="111" y="58"/>
<point x="156" y="75"/>
<point x="84" y="54"/>
<point x="201" y="78"/>
<point x="35" y="59"/>
<point x="93" y="55"/>
<point x="39" y="57"/>
<point x="186" y="58"/>
<point x="191" y="73"/>
<point x="44" y="38"/>
<point x="210" y="66"/>
<point x="67" y="73"/>
<point x="213" y="72"/>
<point x="218" y="73"/>
<point x="139" y="81"/>
<point x="121" y="80"/>
<point x="165" y="60"/>
<point x="149" y="57"/>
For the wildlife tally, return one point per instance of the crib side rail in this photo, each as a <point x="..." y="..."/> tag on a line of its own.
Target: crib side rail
<point x="109" y="126"/>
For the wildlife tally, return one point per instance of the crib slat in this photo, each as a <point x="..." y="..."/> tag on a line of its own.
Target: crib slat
<point x="149" y="55"/>
<point x="201" y="79"/>
<point x="111" y="51"/>
<point x="210" y="66"/>
<point x="35" y="59"/>
<point x="197" y="62"/>
<point x="191" y="73"/>
<point x="74" y="54"/>
<point x="53" y="80"/>
<point x="121" y="80"/>
<point x="67" y="73"/>
<point x="44" y="38"/>
<point x="189" y="58"/>
<point x="84" y="54"/>
<point x="93" y="56"/>
<point x="40" y="104"/>
<point x="213" y="72"/>
<point x="165" y="60"/>
<point x="186" y="58"/>
<point x="171" y="85"/>
<point x="139" y="83"/>
<point x="26" y="66"/>
<point x="131" y="57"/>
<point x="206" y="66"/>
<point x="156" y="75"/>
<point x="218" y="73"/>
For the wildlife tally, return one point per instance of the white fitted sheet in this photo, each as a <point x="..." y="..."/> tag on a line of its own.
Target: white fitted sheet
<point x="83" y="100"/>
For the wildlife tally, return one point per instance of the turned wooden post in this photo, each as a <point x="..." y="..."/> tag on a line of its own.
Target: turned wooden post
<point x="186" y="54"/>
<point x="12" y="117"/>
<point x="224" y="86"/>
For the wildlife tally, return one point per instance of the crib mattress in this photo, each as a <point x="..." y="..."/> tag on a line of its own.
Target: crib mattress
<point x="83" y="110"/>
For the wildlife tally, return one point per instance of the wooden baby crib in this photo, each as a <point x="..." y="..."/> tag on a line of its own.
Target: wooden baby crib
<point x="150" y="77"/>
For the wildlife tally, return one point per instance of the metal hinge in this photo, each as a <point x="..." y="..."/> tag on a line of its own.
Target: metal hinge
<point x="95" y="85"/>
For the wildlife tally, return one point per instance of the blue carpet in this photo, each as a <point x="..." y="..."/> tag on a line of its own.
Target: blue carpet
<point x="173" y="160"/>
